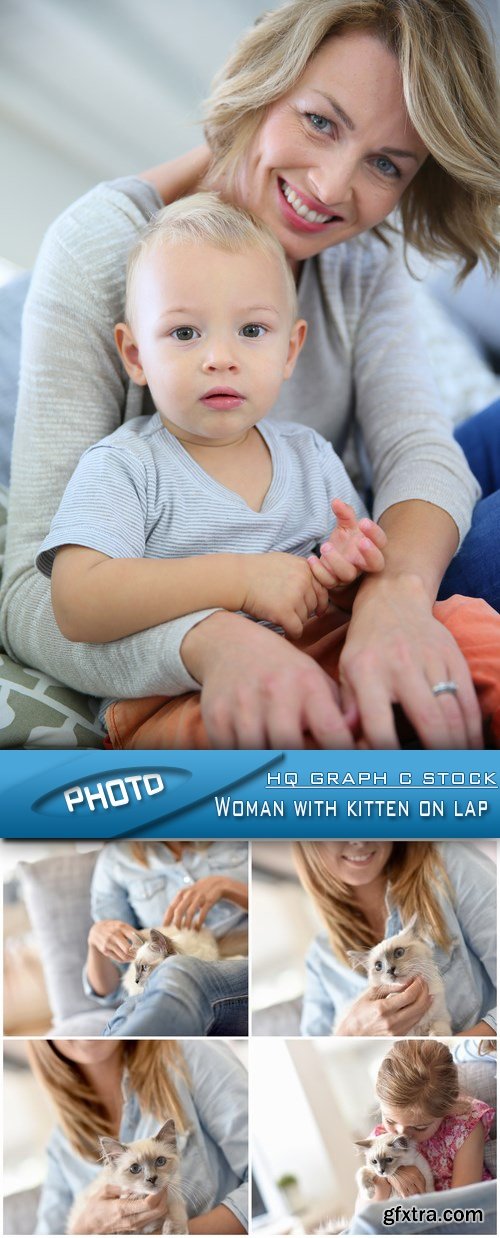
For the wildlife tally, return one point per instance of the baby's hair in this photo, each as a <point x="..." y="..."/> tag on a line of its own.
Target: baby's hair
<point x="207" y="218"/>
<point x="421" y="1075"/>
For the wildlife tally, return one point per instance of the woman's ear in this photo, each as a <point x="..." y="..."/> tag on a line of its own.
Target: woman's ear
<point x="297" y="341"/>
<point x="129" y="353"/>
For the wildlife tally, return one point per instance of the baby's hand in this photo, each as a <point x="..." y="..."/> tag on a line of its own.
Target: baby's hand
<point x="354" y="546"/>
<point x="281" y="588"/>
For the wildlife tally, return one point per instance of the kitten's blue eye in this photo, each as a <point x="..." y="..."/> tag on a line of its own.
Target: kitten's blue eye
<point x="135" y="1168"/>
<point x="398" y="954"/>
<point x="185" y="334"/>
<point x="378" y="965"/>
<point x="252" y="331"/>
<point x="161" y="1160"/>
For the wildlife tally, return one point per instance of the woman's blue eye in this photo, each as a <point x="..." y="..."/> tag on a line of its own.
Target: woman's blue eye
<point x="320" y="123"/>
<point x="387" y="167"/>
<point x="161" y="1160"/>
<point x="185" y="334"/>
<point x="135" y="1168"/>
<point x="253" y="331"/>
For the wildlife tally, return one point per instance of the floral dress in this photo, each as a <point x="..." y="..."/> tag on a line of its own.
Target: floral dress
<point x="441" y="1149"/>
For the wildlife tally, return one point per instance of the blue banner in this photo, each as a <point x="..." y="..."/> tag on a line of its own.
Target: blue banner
<point x="250" y="794"/>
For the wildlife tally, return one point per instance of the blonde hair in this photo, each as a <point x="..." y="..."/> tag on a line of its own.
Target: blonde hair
<point x="82" y="1115"/>
<point x="414" y="872"/>
<point x="421" y="1075"/>
<point x="141" y="852"/>
<point x="207" y="218"/>
<point x="450" y="89"/>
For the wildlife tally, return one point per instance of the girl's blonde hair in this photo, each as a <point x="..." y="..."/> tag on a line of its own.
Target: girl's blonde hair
<point x="450" y="89"/>
<point x="415" y="873"/>
<point x="206" y="218"/>
<point x="82" y="1116"/>
<point x="421" y="1075"/>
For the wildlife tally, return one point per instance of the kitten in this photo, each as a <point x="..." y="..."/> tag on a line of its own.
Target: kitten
<point x="403" y="957"/>
<point x="384" y="1155"/>
<point x="152" y="946"/>
<point x="143" y="1167"/>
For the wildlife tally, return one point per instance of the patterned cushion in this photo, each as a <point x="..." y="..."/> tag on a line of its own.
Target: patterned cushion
<point x="35" y="710"/>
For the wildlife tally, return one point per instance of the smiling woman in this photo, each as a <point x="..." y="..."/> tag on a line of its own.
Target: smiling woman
<point x="329" y="119"/>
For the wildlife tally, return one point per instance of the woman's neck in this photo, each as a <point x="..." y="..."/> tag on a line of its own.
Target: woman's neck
<point x="371" y="901"/>
<point x="105" y="1078"/>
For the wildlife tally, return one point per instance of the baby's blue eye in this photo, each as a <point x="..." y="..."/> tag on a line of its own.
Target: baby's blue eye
<point x="253" y="331"/>
<point x="185" y="334"/>
<point x="161" y="1160"/>
<point x="135" y="1168"/>
<point x="387" y="167"/>
<point x="320" y="123"/>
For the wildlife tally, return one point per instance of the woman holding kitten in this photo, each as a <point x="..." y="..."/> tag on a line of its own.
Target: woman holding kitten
<point x="418" y="1089"/>
<point x="126" y="1090"/>
<point x="187" y="885"/>
<point x="368" y="891"/>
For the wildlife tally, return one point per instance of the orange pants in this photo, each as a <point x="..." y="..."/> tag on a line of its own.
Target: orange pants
<point x="176" y="722"/>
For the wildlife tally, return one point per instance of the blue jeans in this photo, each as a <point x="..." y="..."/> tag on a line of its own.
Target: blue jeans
<point x="475" y="570"/>
<point x="187" y="997"/>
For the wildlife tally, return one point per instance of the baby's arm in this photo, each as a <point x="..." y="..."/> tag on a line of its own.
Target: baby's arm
<point x="469" y="1160"/>
<point x="354" y="546"/>
<point x="97" y="598"/>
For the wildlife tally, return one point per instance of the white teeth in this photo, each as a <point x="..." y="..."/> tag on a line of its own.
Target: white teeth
<point x="300" y="207"/>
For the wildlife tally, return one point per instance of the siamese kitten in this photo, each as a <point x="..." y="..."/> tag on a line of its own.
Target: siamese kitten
<point x="154" y="945"/>
<point x="141" y="1168"/>
<point x="384" y="1155"/>
<point x="403" y="957"/>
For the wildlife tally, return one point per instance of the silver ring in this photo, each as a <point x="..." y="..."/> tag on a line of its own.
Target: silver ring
<point x="445" y="685"/>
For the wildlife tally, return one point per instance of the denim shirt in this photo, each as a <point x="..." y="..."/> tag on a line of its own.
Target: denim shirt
<point x="124" y="889"/>
<point x="468" y="968"/>
<point x="213" y="1151"/>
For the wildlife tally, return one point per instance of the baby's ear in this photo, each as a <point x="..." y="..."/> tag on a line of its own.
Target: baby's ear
<point x="297" y="340"/>
<point x="129" y="353"/>
<point x="359" y="958"/>
<point x="111" y="1148"/>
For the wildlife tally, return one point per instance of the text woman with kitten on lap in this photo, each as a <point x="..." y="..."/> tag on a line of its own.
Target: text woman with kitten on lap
<point x="126" y="1091"/>
<point x="165" y="885"/>
<point x="366" y="892"/>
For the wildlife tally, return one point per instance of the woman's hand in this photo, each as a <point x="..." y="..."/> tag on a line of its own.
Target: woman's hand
<point x="110" y="1212"/>
<point x="197" y="900"/>
<point x="408" y="1181"/>
<point x="260" y="692"/>
<point x="390" y="1011"/>
<point x="113" y="939"/>
<point x="395" y="651"/>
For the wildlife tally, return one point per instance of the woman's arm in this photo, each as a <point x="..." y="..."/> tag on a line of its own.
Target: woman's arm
<point x="412" y="650"/>
<point x="468" y="1162"/>
<point x="219" y="1088"/>
<point x="199" y="898"/>
<point x="473" y="880"/>
<point x="179" y="176"/>
<point x="114" y="925"/>
<point x="220" y="1220"/>
<point x="56" y="1197"/>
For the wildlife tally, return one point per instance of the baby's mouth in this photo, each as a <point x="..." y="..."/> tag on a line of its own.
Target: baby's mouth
<point x="301" y="208"/>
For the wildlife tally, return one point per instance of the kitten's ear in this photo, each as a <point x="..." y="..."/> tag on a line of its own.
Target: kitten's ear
<point x="413" y="924"/>
<point x="136" y="941"/>
<point x="363" y="1143"/>
<point x="111" y="1148"/>
<point x="359" y="958"/>
<point x="167" y="1134"/>
<point x="160" y="943"/>
<point x="401" y="1144"/>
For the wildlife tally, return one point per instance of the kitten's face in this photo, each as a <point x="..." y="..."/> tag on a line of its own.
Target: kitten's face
<point x="152" y="952"/>
<point x="397" y="958"/>
<point x="145" y="1166"/>
<point x="386" y="1153"/>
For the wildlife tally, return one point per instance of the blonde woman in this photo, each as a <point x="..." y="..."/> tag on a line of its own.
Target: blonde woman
<point x="330" y="117"/>
<point x="144" y="885"/>
<point x="365" y="891"/>
<point x="126" y="1089"/>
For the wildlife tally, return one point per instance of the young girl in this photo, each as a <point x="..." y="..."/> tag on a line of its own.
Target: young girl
<point x="418" y="1089"/>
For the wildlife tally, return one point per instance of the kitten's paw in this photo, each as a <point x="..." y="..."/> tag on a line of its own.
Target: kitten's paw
<point x="440" y="1028"/>
<point x="366" y="1180"/>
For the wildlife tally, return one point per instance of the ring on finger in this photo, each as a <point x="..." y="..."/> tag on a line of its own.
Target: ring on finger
<point x="444" y="685"/>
